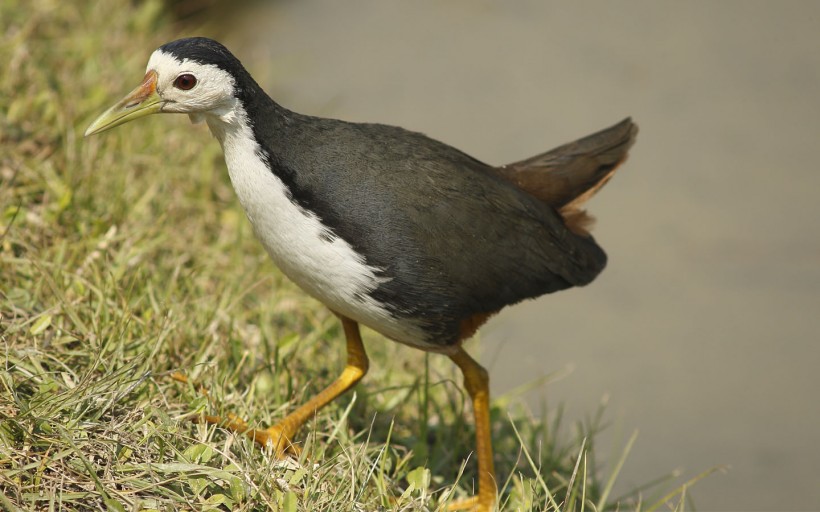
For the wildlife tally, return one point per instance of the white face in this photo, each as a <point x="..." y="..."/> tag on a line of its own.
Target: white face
<point x="188" y="87"/>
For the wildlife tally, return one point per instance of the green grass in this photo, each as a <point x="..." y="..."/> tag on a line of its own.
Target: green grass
<point x="125" y="258"/>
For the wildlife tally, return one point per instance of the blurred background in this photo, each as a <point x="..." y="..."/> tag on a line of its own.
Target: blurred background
<point x="703" y="331"/>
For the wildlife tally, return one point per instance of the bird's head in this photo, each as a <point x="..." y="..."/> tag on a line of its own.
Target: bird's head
<point x="194" y="76"/>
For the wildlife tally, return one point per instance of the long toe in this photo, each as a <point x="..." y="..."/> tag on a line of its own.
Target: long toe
<point x="279" y="436"/>
<point x="472" y="504"/>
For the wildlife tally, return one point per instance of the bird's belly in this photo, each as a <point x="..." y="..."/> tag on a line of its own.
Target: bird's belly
<point x="323" y="265"/>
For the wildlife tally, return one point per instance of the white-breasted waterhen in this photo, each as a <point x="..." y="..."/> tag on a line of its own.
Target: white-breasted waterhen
<point x="385" y="226"/>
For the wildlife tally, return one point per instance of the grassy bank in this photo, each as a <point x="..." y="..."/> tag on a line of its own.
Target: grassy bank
<point x="125" y="258"/>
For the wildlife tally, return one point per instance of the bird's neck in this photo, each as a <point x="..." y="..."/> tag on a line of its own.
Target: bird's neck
<point x="251" y="114"/>
<point x="252" y="130"/>
<point x="228" y="123"/>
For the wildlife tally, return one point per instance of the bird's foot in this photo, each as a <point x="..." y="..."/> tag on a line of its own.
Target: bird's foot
<point x="473" y="504"/>
<point x="277" y="436"/>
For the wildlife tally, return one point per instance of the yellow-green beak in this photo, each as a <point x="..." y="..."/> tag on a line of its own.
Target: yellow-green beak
<point x="140" y="102"/>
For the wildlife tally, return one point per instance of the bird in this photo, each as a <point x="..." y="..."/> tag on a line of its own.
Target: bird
<point x="387" y="227"/>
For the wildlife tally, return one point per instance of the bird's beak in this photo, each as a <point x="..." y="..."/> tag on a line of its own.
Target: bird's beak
<point x="140" y="102"/>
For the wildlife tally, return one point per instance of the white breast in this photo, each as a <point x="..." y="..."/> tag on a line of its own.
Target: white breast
<point x="326" y="268"/>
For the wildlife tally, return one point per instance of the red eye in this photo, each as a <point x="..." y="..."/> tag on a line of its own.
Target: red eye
<point x="185" y="82"/>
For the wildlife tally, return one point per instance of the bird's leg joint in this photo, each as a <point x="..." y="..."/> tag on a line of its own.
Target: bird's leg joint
<point x="476" y="377"/>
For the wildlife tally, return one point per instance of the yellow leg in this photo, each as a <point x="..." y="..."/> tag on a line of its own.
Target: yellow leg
<point x="477" y="383"/>
<point x="280" y="435"/>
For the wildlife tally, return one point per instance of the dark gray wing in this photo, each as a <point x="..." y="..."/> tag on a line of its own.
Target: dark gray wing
<point x="454" y="238"/>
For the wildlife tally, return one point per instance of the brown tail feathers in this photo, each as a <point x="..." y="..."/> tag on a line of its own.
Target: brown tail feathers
<point x="567" y="176"/>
